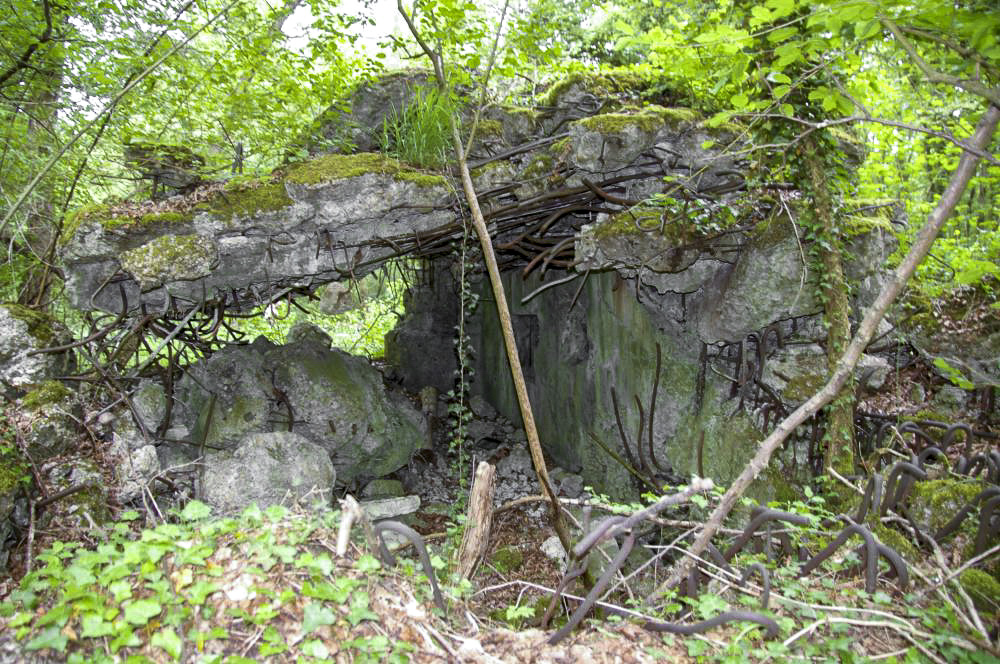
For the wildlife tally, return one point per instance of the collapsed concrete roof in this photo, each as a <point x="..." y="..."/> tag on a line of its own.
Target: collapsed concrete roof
<point x="550" y="179"/>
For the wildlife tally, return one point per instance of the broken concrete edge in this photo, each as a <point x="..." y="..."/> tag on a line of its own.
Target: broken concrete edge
<point x="248" y="196"/>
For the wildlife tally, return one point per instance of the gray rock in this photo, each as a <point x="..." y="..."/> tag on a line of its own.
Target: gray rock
<point x="135" y="472"/>
<point x="388" y="508"/>
<point x="23" y="330"/>
<point x="267" y="469"/>
<point x="333" y="399"/>
<point x="482" y="408"/>
<point x="383" y="488"/>
<point x="553" y="550"/>
<point x="337" y="201"/>
<point x="518" y="462"/>
<point x="150" y="403"/>
<point x="950" y="398"/>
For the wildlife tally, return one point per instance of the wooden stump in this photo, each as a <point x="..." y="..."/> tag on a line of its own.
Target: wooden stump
<point x="478" y="522"/>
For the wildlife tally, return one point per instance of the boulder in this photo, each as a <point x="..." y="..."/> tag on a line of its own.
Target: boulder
<point x="334" y="400"/>
<point x="22" y="331"/>
<point x="267" y="469"/>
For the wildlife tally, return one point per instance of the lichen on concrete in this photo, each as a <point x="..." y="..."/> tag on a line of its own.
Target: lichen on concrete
<point x="340" y="166"/>
<point x="168" y="258"/>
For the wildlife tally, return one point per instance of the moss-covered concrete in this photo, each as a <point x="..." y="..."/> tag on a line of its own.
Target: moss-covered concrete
<point x="169" y="257"/>
<point x="604" y="85"/>
<point x="983" y="589"/>
<point x="934" y="502"/>
<point x="338" y="167"/>
<point x="47" y="393"/>
<point x="647" y="118"/>
<point x="249" y="198"/>
<point x="41" y="325"/>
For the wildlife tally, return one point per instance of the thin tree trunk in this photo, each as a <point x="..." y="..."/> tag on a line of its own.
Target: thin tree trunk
<point x="979" y="142"/>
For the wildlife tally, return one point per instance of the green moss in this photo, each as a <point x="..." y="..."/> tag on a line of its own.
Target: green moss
<point x="47" y="393"/>
<point x="507" y="559"/>
<point x="76" y="218"/>
<point x="983" y="589"/>
<point x="895" y="541"/>
<point x="40" y="325"/>
<point x="530" y="114"/>
<point x="643" y="220"/>
<point x="602" y="85"/>
<point x="647" y="118"/>
<point x="803" y="386"/>
<point x="249" y="198"/>
<point x="561" y="147"/>
<point x="542" y="165"/>
<point x="338" y="167"/>
<point x="13" y="471"/>
<point x="490" y="127"/>
<point x="935" y="502"/>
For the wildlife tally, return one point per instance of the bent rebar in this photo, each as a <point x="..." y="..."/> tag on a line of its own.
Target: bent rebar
<point x="418" y="543"/>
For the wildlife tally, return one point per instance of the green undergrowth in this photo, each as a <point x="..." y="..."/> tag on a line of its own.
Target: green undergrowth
<point x="194" y="589"/>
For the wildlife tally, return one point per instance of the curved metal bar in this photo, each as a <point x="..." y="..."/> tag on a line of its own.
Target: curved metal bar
<point x="765" y="581"/>
<point x="949" y="436"/>
<point x="897" y="563"/>
<point x="932" y="451"/>
<point x="987" y="527"/>
<point x="621" y="430"/>
<point x="898" y="469"/>
<point x="652" y="406"/>
<point x="918" y="432"/>
<point x="723" y="618"/>
<point x="595" y="592"/>
<point x="762" y="516"/>
<point x="418" y="543"/>
<point x="871" y="499"/>
<point x="871" y="554"/>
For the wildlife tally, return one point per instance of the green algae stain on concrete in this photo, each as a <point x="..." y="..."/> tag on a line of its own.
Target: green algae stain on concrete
<point x="169" y="258"/>
<point x="339" y="166"/>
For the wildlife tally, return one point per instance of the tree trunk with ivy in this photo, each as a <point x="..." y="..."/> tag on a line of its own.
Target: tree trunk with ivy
<point x="839" y="437"/>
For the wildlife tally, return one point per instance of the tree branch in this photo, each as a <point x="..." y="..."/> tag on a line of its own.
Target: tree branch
<point x="107" y="108"/>
<point x="866" y="330"/>
<point x="46" y="35"/>
<point x="934" y="76"/>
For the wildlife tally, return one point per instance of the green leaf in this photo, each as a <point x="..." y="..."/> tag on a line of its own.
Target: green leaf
<point x="315" y="648"/>
<point x="57" y="615"/>
<point x="196" y="511"/>
<point x="94" y="626"/>
<point x="51" y="637"/>
<point x="359" y="610"/>
<point x="140" y="611"/>
<point x="367" y="564"/>
<point x="315" y="615"/>
<point x="168" y="640"/>
<point x="199" y="590"/>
